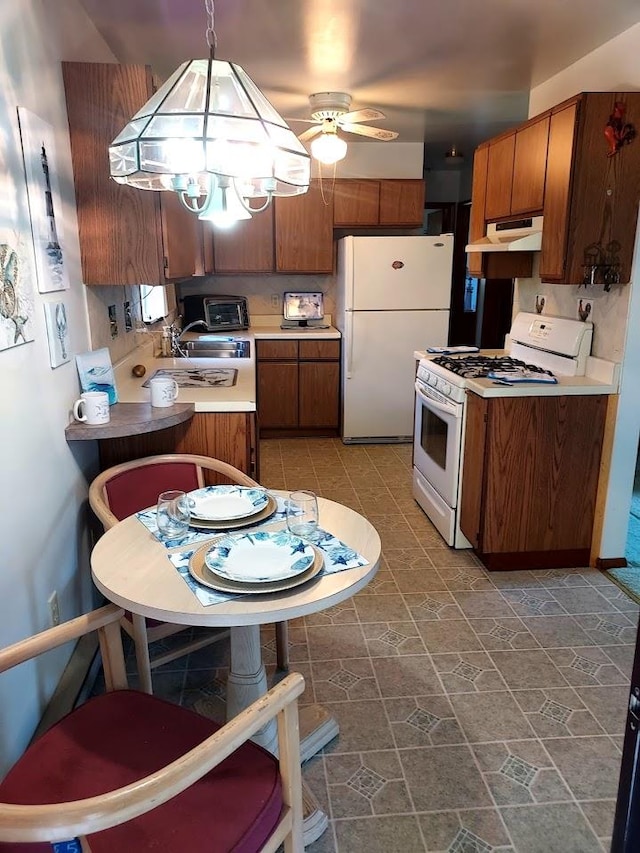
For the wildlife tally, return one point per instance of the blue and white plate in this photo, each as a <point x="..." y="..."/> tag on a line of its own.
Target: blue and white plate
<point x="260" y="557"/>
<point x="223" y="503"/>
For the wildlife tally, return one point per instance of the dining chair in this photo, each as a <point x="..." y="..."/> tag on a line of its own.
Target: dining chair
<point x="129" y="771"/>
<point x="129" y="487"/>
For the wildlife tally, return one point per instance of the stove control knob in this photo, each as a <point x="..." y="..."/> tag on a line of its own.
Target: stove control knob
<point x="445" y="388"/>
<point x="432" y="379"/>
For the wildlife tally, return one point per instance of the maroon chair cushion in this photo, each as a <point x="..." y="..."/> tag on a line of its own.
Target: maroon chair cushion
<point x="118" y="737"/>
<point x="138" y="488"/>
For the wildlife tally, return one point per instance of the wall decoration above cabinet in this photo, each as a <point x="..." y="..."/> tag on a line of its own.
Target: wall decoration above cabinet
<point x="577" y="165"/>
<point x="126" y="236"/>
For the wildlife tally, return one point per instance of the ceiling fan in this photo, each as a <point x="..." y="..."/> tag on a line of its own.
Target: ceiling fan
<point x="330" y="113"/>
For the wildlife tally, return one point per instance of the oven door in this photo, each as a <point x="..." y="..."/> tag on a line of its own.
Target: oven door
<point x="437" y="441"/>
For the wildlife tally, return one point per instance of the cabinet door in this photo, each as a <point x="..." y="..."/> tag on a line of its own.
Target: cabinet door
<point x="319" y="394"/>
<point x="277" y="394"/>
<point x="529" y="167"/>
<point x="318" y="350"/>
<point x="478" y="200"/>
<point x="246" y="246"/>
<point x="277" y="350"/>
<point x="304" y="231"/>
<point x="356" y="202"/>
<point x="402" y="202"/>
<point x="474" y="461"/>
<point x="179" y="237"/>
<point x="557" y="193"/>
<point x="499" y="177"/>
<point x="119" y="227"/>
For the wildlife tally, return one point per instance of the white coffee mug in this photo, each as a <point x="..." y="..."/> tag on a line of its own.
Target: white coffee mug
<point x="164" y="391"/>
<point x="92" y="408"/>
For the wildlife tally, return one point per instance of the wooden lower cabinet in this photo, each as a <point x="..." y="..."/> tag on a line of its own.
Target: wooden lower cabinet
<point x="230" y="436"/>
<point x="531" y="467"/>
<point x="319" y="394"/>
<point x="278" y="395"/>
<point x="298" y="387"/>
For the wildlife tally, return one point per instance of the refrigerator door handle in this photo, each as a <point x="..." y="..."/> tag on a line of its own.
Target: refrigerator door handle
<point x="349" y="333"/>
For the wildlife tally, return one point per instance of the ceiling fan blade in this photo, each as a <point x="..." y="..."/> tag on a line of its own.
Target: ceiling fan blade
<point x="305" y="120"/>
<point x="373" y="132"/>
<point x="367" y="114"/>
<point x="308" y="134"/>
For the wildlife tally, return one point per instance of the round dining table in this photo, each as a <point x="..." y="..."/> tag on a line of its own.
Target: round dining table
<point x="131" y="567"/>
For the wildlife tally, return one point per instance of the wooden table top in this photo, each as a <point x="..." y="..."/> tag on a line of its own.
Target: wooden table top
<point x="131" y="568"/>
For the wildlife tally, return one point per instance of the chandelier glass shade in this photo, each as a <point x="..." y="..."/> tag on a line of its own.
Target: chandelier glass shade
<point x="209" y="126"/>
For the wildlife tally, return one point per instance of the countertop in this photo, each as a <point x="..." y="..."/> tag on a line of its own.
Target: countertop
<point x="602" y="377"/>
<point x="240" y="397"/>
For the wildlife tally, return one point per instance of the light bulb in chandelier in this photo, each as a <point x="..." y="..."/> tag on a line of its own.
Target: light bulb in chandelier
<point x="329" y="148"/>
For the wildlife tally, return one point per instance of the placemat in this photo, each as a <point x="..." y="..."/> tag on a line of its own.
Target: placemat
<point x="195" y="534"/>
<point x="337" y="558"/>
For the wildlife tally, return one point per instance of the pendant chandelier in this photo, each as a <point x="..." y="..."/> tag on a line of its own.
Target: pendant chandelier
<point x="211" y="136"/>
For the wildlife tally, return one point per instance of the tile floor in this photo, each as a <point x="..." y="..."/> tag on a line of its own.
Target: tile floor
<point x="478" y="711"/>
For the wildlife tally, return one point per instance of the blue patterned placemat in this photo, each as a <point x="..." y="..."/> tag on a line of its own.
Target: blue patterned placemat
<point x="195" y="534"/>
<point x="337" y="558"/>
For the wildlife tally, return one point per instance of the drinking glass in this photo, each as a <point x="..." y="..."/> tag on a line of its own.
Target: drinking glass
<point x="302" y="514"/>
<point x="173" y="513"/>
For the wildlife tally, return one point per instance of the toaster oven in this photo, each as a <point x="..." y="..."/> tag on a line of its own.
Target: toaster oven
<point x="220" y="313"/>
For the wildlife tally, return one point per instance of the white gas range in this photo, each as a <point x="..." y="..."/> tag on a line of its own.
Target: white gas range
<point x="543" y="355"/>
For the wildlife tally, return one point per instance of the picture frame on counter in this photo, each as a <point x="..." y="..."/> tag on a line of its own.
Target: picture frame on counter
<point x="96" y="373"/>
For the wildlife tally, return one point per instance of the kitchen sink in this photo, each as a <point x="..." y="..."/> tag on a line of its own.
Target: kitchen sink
<point x="215" y="349"/>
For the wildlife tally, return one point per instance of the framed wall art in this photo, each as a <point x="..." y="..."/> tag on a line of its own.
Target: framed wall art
<point x="55" y="315"/>
<point x="43" y="192"/>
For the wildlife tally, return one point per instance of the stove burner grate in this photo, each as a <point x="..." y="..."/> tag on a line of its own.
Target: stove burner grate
<point x="478" y="366"/>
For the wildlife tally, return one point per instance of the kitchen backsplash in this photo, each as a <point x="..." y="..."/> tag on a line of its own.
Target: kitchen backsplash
<point x="100" y="299"/>
<point x="259" y="289"/>
<point x="608" y="310"/>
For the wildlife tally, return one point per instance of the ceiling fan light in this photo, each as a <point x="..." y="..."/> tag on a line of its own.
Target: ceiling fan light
<point x="329" y="148"/>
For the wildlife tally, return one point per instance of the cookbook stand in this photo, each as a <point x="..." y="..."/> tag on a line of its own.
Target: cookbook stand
<point x="303" y="310"/>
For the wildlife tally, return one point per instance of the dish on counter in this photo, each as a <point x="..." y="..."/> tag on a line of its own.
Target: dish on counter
<point x="259" y="557"/>
<point x="223" y="503"/>
<point x="199" y="570"/>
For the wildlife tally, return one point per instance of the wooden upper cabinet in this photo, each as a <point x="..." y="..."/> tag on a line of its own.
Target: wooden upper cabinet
<point x="529" y="167"/>
<point x="475" y="260"/>
<point x="356" y="202"/>
<point x="499" y="177"/>
<point x="557" y="190"/>
<point x="245" y="247"/>
<point x="401" y="202"/>
<point x="120" y="228"/>
<point x="304" y="231"/>
<point x="179" y="237"/>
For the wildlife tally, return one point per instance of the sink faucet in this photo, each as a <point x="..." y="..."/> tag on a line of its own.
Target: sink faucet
<point x="175" y="335"/>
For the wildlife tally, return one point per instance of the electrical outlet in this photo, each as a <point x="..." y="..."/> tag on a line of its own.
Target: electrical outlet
<point x="113" y="321"/>
<point x="275" y="300"/>
<point x="128" y="317"/>
<point x="54" y="609"/>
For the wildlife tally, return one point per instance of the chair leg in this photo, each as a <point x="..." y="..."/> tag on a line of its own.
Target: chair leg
<point x="282" y="646"/>
<point x="142" y="652"/>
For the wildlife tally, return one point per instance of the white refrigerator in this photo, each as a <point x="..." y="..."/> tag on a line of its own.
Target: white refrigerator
<point x="393" y="297"/>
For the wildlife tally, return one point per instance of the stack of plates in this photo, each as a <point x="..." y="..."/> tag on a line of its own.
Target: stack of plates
<point x="225" y="507"/>
<point x="258" y="562"/>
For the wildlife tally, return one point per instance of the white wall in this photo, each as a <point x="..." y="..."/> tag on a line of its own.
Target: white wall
<point x="43" y="519"/>
<point x="612" y="67"/>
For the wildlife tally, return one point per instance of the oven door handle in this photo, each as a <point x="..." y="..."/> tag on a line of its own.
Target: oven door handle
<point x="447" y="409"/>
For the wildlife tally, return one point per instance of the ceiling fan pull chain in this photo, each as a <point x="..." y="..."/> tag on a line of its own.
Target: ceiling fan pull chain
<point x="212" y="39"/>
<point x="333" y="183"/>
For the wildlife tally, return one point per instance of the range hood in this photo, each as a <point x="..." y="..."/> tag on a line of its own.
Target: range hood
<point x="518" y="235"/>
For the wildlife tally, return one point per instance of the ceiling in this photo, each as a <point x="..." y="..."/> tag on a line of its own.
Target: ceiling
<point x="448" y="72"/>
